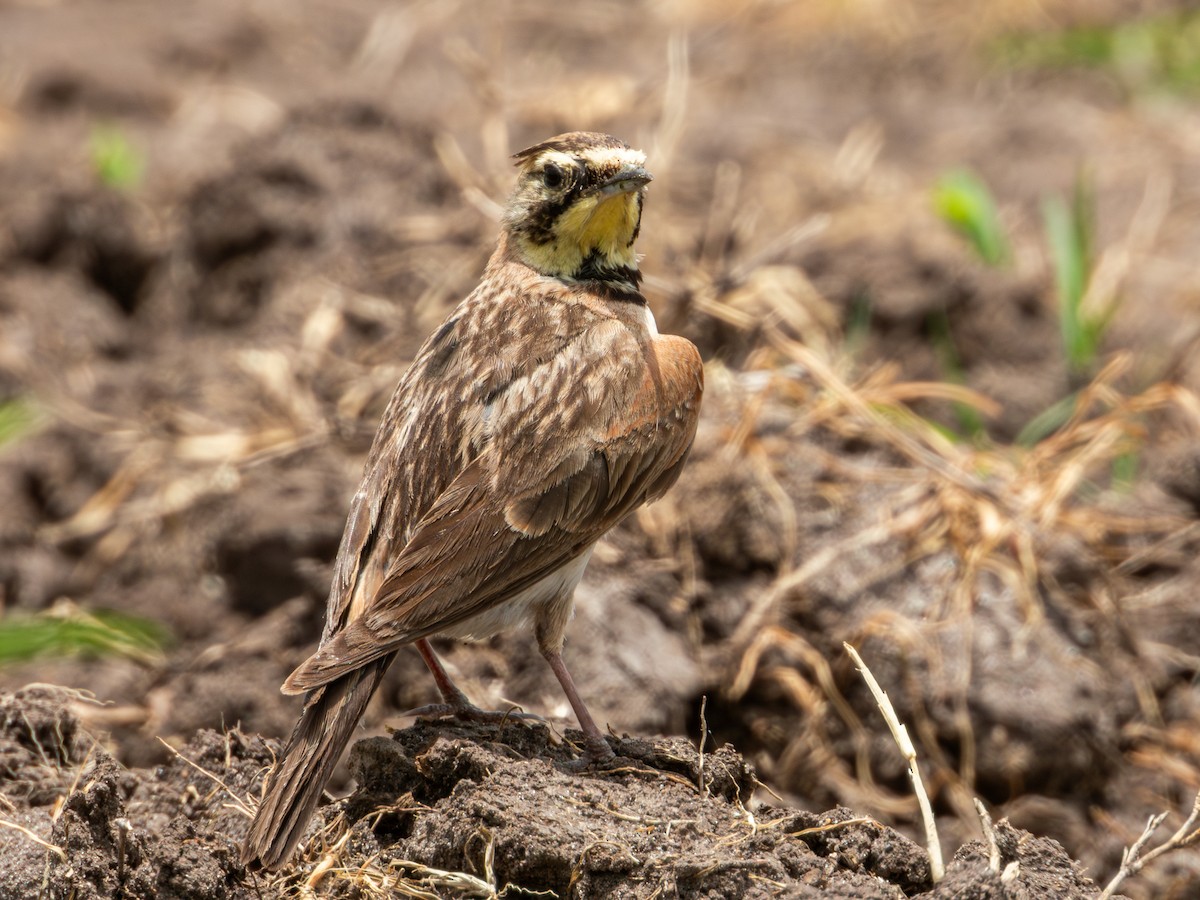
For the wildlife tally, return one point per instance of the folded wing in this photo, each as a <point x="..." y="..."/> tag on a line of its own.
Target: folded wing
<point x="513" y="516"/>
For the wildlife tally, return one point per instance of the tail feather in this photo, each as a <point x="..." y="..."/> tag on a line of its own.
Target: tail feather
<point x="298" y="779"/>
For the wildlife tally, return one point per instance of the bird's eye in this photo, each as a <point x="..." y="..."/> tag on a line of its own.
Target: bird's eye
<point x="553" y="176"/>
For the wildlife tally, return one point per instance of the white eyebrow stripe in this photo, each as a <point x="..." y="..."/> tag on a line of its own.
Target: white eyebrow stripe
<point x="563" y="160"/>
<point x="603" y="157"/>
<point x="597" y="157"/>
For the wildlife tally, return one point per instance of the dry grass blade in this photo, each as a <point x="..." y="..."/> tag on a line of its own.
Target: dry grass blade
<point x="675" y="99"/>
<point x="834" y="826"/>
<point x="423" y="881"/>
<point x="989" y="835"/>
<point x="936" y="867"/>
<point x="460" y="170"/>
<point x="242" y="806"/>
<point x="1116" y="262"/>
<point x="56" y="850"/>
<point x="1132" y="860"/>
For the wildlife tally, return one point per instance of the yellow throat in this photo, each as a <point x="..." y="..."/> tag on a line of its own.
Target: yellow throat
<point x="599" y="227"/>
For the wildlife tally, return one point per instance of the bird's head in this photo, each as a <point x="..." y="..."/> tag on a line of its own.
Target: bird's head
<point x="577" y="207"/>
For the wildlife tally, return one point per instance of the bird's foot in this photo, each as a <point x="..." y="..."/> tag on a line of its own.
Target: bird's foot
<point x="597" y="754"/>
<point x="468" y="712"/>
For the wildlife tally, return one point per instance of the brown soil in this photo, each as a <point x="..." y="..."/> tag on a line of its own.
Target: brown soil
<point x="209" y="350"/>
<point x="458" y="809"/>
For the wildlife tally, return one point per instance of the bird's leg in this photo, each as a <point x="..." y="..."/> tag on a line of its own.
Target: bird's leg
<point x="446" y="687"/>
<point x="597" y="747"/>
<point x="454" y="702"/>
<point x="549" y="630"/>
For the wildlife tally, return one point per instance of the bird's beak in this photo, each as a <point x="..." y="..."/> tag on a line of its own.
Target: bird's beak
<point x="626" y="181"/>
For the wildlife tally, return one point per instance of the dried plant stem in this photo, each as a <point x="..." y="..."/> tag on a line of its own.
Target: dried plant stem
<point x="328" y="862"/>
<point x="57" y="851"/>
<point x="900" y="734"/>
<point x="1132" y="860"/>
<point x="989" y="835"/>
<point x="239" y="804"/>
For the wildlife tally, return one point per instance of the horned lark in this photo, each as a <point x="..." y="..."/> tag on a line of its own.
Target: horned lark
<point x="539" y="415"/>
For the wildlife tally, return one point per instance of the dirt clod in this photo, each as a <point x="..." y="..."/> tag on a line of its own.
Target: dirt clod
<point x="495" y="802"/>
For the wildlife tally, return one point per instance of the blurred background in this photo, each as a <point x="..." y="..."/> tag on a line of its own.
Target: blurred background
<point x="940" y="258"/>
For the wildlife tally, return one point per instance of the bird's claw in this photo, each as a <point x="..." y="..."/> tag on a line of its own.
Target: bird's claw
<point x="471" y="713"/>
<point x="595" y="755"/>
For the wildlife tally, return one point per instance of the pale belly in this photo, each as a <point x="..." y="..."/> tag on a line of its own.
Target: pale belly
<point x="549" y="595"/>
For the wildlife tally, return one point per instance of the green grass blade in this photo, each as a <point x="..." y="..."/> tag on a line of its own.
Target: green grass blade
<point x="77" y="633"/>
<point x="17" y="419"/>
<point x="1047" y="422"/>
<point x="1125" y="470"/>
<point x="970" y="421"/>
<point x="116" y="162"/>
<point x="964" y="202"/>
<point x="858" y="325"/>
<point x="1069" y="232"/>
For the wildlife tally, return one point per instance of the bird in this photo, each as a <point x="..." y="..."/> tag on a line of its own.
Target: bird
<point x="539" y="415"/>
